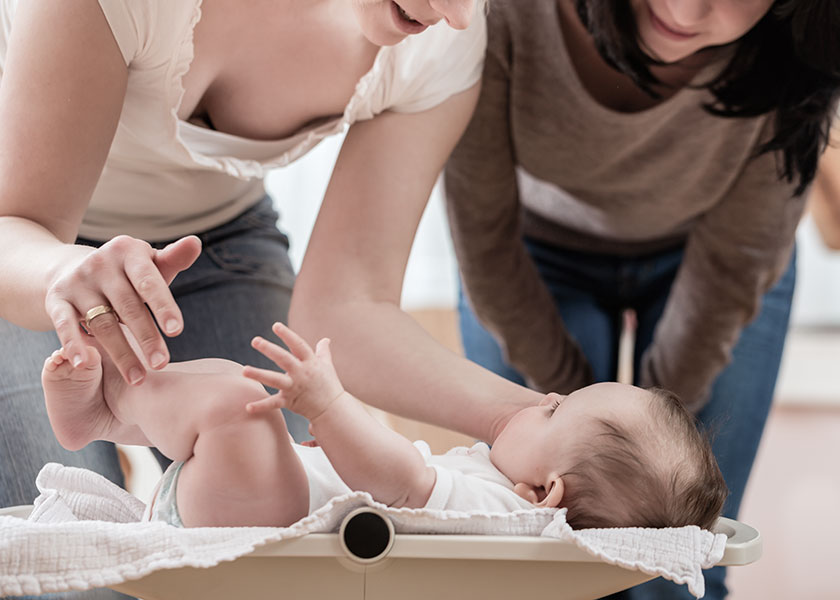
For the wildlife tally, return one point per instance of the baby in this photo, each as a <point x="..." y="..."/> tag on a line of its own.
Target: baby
<point x="614" y="455"/>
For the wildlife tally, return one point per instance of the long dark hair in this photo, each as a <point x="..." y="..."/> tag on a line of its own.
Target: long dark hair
<point x="788" y="63"/>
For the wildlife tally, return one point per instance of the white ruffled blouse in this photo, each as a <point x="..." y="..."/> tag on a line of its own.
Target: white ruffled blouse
<point x="165" y="177"/>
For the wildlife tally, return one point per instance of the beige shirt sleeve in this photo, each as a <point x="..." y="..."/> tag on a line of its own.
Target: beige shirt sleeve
<point x="423" y="71"/>
<point x="131" y="23"/>
<point x="735" y="253"/>
<point x="500" y="279"/>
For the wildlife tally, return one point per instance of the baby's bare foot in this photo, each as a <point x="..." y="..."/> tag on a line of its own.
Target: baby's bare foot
<point x="75" y="403"/>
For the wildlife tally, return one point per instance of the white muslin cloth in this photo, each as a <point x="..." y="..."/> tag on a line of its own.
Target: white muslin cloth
<point x="86" y="532"/>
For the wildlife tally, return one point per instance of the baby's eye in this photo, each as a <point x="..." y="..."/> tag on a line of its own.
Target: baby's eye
<point x="554" y="405"/>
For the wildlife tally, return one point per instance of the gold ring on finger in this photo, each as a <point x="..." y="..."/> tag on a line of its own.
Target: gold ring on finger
<point x="96" y="311"/>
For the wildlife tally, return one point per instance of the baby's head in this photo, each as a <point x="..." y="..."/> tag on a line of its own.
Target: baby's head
<point x="614" y="455"/>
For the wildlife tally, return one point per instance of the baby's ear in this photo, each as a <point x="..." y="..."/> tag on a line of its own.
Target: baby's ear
<point x="528" y="492"/>
<point x="555" y="493"/>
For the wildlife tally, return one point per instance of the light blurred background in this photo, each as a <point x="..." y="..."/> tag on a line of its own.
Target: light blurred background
<point x="794" y="494"/>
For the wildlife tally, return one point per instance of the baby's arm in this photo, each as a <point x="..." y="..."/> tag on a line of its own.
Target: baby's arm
<point x="367" y="455"/>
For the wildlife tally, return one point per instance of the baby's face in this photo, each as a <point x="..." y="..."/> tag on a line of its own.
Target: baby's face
<point x="545" y="439"/>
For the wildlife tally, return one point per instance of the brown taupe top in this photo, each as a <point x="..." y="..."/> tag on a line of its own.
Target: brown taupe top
<point x="543" y="159"/>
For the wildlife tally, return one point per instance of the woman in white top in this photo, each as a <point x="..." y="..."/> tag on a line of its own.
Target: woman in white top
<point x="144" y="121"/>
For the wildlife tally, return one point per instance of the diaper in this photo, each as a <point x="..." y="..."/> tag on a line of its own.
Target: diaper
<point x="164" y="505"/>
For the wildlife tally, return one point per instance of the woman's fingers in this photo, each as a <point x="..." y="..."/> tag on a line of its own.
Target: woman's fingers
<point x="122" y="275"/>
<point x="273" y="379"/>
<point x="152" y="289"/>
<point x="106" y="329"/>
<point x="126" y="275"/>
<point x="135" y="316"/>
<point x="67" y="317"/>
<point x="297" y="345"/>
<point x="176" y="257"/>
<point x="133" y="262"/>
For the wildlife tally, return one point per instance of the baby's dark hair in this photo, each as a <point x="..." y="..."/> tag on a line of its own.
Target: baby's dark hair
<point x="664" y="473"/>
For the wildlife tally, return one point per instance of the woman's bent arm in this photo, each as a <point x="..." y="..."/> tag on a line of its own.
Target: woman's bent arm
<point x="61" y="95"/>
<point x="500" y="278"/>
<point x="735" y="253"/>
<point x="60" y="100"/>
<point x="350" y="282"/>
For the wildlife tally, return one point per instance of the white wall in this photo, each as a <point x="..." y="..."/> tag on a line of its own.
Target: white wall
<point x="431" y="275"/>
<point x="809" y="367"/>
<point x="817" y="300"/>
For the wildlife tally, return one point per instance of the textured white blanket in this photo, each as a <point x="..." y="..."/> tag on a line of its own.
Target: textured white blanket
<point x="85" y="532"/>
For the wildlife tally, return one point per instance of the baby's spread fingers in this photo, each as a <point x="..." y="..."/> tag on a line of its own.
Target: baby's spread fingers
<point x="279" y="381"/>
<point x="260" y="406"/>
<point x="297" y="345"/>
<point x="322" y="349"/>
<point x="280" y="356"/>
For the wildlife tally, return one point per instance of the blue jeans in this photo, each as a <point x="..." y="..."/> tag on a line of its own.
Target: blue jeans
<point x="239" y="286"/>
<point x="591" y="292"/>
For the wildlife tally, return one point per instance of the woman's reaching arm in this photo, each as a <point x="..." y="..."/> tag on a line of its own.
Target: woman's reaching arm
<point x="350" y="282"/>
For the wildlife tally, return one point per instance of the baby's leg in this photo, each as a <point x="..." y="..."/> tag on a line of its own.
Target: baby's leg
<point x="92" y="401"/>
<point x="81" y="400"/>
<point x="244" y="473"/>
<point x="240" y="469"/>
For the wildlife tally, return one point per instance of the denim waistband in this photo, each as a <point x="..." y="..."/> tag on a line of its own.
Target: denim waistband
<point x="262" y="214"/>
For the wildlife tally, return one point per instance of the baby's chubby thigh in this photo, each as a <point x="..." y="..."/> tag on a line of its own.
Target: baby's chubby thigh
<point x="244" y="470"/>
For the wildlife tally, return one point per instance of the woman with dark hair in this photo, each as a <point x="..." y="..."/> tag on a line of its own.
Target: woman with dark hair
<point x="649" y="155"/>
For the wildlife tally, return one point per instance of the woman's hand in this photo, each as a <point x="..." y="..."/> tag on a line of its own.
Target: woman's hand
<point x="132" y="278"/>
<point x="309" y="385"/>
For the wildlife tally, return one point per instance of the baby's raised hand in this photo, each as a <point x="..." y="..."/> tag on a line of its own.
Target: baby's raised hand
<point x="309" y="384"/>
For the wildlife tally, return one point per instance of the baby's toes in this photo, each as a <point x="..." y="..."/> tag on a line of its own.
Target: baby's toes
<point x="58" y="357"/>
<point x="58" y="364"/>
